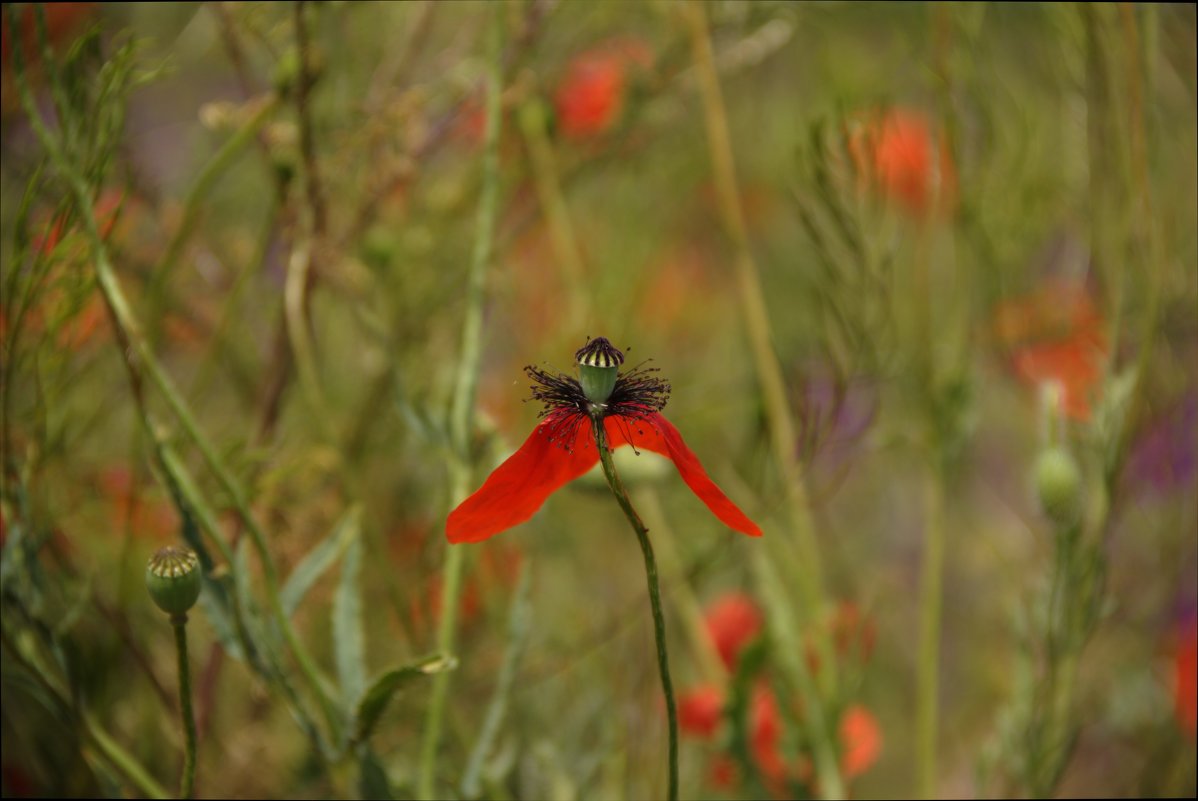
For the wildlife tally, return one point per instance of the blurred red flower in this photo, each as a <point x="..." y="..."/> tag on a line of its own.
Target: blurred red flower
<point x="700" y="710"/>
<point x="897" y="152"/>
<point x="765" y="737"/>
<point x="860" y="741"/>
<point x="1185" y="676"/>
<point x="590" y="95"/>
<point x="1055" y="335"/>
<point x="733" y="620"/>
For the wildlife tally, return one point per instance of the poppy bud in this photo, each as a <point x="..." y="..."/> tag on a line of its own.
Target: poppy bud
<point x="173" y="579"/>
<point x="598" y="363"/>
<point x="1058" y="484"/>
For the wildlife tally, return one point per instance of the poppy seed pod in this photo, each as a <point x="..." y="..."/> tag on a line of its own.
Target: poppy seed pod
<point x="1058" y="485"/>
<point x="598" y="363"/>
<point x="173" y="579"/>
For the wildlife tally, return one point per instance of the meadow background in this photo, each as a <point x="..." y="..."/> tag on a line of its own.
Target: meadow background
<point x="270" y="280"/>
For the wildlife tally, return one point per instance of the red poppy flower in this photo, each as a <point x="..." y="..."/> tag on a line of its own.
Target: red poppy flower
<point x="860" y="741"/>
<point x="590" y="96"/>
<point x="899" y="154"/>
<point x="700" y="709"/>
<point x="732" y="621"/>
<point x="1055" y="335"/>
<point x="561" y="448"/>
<point x="1185" y="676"/>
<point x="766" y="738"/>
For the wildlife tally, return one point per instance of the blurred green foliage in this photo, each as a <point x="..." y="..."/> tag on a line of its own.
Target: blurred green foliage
<point x="234" y="261"/>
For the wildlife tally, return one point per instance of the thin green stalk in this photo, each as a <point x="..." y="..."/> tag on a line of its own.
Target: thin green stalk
<point x="755" y="313"/>
<point x="930" y="602"/>
<point x="519" y="625"/>
<point x="553" y="205"/>
<point x="187" y="783"/>
<point x="220" y="162"/>
<point x="659" y="621"/>
<point x="756" y="317"/>
<point x="461" y="415"/>
<point x="121" y="759"/>
<point x="784" y="629"/>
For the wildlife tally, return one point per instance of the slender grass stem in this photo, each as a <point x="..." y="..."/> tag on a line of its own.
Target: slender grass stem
<point x="461" y="415"/>
<point x="773" y="389"/>
<point x="187" y="783"/>
<point x="659" y="621"/>
<point x="224" y="158"/>
<point x="755" y="312"/>
<point x="928" y="670"/>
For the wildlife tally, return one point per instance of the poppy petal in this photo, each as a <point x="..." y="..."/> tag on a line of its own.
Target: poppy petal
<point x="518" y="488"/>
<point x="656" y="433"/>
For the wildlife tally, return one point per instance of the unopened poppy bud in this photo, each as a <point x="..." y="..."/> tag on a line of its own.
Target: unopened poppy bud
<point x="1058" y="483"/>
<point x="173" y="579"/>
<point x="598" y="364"/>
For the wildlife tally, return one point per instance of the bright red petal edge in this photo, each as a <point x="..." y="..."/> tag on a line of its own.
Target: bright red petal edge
<point x="660" y="436"/>
<point x="519" y="487"/>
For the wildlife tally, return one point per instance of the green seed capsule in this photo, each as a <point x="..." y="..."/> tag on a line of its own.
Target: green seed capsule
<point x="598" y="365"/>
<point x="1059" y="483"/>
<point x="173" y="579"/>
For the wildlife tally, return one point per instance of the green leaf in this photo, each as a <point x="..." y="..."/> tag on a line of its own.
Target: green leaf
<point x="373" y="783"/>
<point x="318" y="560"/>
<point x="349" y="650"/>
<point x="215" y="611"/>
<point x="375" y="700"/>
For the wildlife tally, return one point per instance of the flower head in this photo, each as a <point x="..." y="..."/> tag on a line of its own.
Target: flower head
<point x="1055" y="337"/>
<point x="899" y="153"/>
<point x="732" y="622"/>
<point x="1185" y="674"/>
<point x="860" y="741"/>
<point x="590" y="97"/>
<point x="562" y="447"/>
<point x="700" y="710"/>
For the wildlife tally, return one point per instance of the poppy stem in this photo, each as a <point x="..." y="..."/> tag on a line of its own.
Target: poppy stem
<point x="187" y="783"/>
<point x="659" y="621"/>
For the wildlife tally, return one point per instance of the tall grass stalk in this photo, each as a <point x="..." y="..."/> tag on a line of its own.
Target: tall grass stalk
<point x="783" y="438"/>
<point x="461" y="417"/>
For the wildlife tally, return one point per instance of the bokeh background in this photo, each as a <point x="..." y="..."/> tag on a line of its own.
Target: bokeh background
<point x="888" y="256"/>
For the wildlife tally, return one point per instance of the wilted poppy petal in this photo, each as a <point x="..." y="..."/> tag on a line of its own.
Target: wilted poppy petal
<point x="519" y="486"/>
<point x="657" y="434"/>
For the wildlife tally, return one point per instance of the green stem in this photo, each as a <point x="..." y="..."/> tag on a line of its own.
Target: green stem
<point x="461" y="414"/>
<point x="928" y="679"/>
<point x="217" y="166"/>
<point x="187" y="784"/>
<point x="121" y="759"/>
<point x="659" y="621"/>
<point x="757" y="325"/>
